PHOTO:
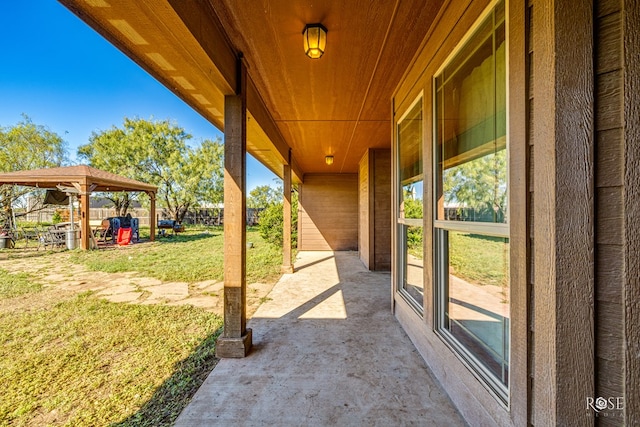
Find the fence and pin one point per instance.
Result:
(194, 217)
(46, 215)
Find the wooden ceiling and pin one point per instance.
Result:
(337, 105)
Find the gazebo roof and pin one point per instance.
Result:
(70, 175)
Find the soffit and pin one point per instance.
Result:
(156, 37)
(338, 105)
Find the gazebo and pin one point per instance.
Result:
(85, 180)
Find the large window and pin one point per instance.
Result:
(410, 206)
(471, 232)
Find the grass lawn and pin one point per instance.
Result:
(479, 259)
(192, 256)
(12, 285)
(78, 360)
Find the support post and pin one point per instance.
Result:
(235, 340)
(85, 228)
(563, 188)
(287, 267)
(152, 216)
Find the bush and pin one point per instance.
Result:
(57, 217)
(271, 221)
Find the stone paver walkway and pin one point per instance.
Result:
(56, 271)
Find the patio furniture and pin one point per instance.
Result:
(54, 238)
(169, 224)
(7, 240)
(124, 236)
(103, 231)
(32, 235)
(8, 237)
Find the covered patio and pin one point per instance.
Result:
(373, 134)
(83, 180)
(327, 351)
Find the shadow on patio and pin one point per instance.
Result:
(327, 351)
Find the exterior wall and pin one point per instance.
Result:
(530, 226)
(382, 210)
(563, 135)
(374, 236)
(631, 197)
(609, 309)
(476, 403)
(617, 124)
(575, 187)
(328, 212)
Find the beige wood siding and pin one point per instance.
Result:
(374, 237)
(328, 212)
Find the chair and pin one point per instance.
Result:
(124, 236)
(32, 234)
(54, 238)
(103, 230)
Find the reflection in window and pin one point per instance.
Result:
(413, 266)
(476, 312)
(471, 150)
(471, 235)
(410, 203)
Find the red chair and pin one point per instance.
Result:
(124, 236)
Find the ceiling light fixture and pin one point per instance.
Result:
(315, 40)
(328, 160)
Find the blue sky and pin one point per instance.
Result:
(65, 76)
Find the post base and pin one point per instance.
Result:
(234, 347)
(286, 269)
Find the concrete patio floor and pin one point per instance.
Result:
(327, 351)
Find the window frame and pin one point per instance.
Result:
(499, 390)
(400, 222)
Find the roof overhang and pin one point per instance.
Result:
(73, 176)
(338, 105)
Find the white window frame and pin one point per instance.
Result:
(485, 376)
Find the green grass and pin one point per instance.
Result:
(80, 360)
(12, 285)
(479, 259)
(192, 256)
(86, 361)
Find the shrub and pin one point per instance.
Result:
(271, 221)
(56, 218)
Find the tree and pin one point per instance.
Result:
(157, 152)
(263, 196)
(480, 184)
(106, 151)
(26, 146)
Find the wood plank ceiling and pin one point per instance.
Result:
(337, 105)
(340, 104)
